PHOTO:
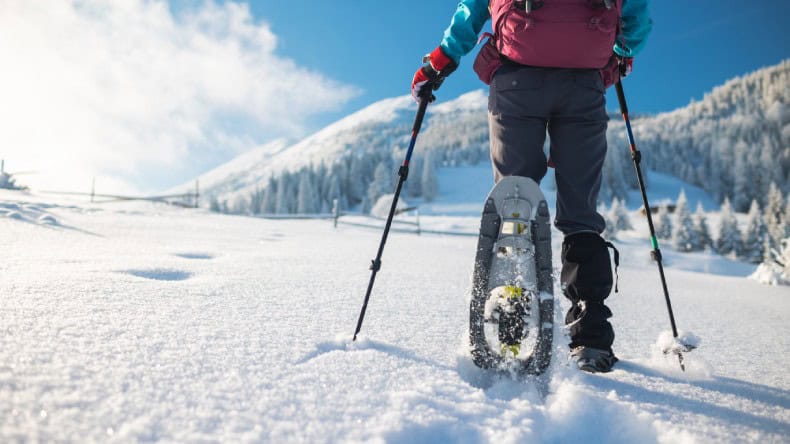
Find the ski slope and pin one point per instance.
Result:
(136, 322)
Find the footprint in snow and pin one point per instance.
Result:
(160, 274)
(195, 255)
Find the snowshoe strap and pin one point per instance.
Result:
(616, 263)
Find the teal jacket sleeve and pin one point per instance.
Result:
(467, 22)
(636, 27)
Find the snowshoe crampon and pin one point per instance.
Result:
(512, 307)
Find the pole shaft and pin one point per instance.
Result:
(656, 253)
(403, 174)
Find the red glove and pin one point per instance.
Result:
(626, 65)
(431, 75)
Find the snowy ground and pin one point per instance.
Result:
(132, 322)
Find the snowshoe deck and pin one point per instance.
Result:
(512, 307)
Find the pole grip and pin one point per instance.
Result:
(621, 97)
(420, 114)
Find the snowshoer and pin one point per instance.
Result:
(548, 64)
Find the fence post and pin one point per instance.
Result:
(93, 188)
(417, 212)
(335, 211)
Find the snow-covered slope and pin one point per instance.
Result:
(146, 323)
(382, 127)
(244, 171)
(733, 142)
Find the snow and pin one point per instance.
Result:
(140, 322)
(383, 206)
(770, 274)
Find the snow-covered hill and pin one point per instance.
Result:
(134, 322)
(733, 143)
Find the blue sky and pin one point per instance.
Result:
(695, 45)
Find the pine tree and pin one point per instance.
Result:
(357, 180)
(663, 223)
(365, 205)
(282, 201)
(774, 217)
(413, 186)
(743, 182)
(729, 239)
(269, 205)
(334, 194)
(256, 201)
(610, 231)
(619, 215)
(306, 195)
(787, 217)
(783, 257)
(701, 227)
(382, 183)
(684, 235)
(214, 205)
(755, 235)
(430, 184)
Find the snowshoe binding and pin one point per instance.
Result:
(512, 307)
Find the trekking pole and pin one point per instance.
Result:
(636, 155)
(403, 172)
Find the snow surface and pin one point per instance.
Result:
(138, 322)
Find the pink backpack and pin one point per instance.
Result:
(554, 33)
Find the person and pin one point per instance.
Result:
(552, 61)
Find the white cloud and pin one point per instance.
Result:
(130, 91)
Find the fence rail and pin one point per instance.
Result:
(362, 220)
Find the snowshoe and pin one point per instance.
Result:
(512, 307)
(593, 360)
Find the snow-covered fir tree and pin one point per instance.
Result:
(382, 182)
(430, 183)
(619, 214)
(754, 237)
(357, 183)
(256, 201)
(787, 217)
(774, 215)
(663, 223)
(684, 236)
(610, 232)
(742, 195)
(285, 194)
(269, 205)
(729, 238)
(365, 206)
(783, 257)
(333, 194)
(414, 184)
(704, 239)
(307, 200)
(214, 205)
(239, 205)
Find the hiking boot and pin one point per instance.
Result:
(593, 360)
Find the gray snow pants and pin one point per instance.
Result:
(523, 103)
(526, 101)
